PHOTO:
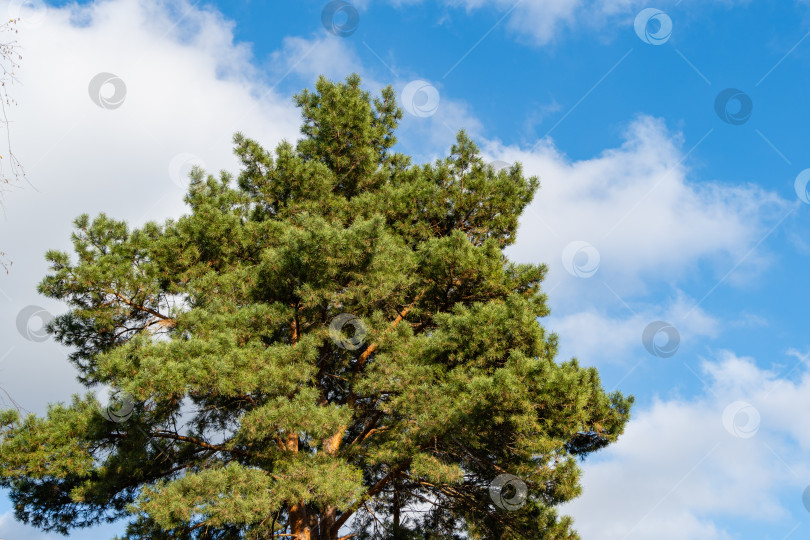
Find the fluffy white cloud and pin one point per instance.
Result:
(188, 88)
(648, 223)
(682, 470)
(597, 338)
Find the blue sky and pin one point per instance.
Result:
(696, 221)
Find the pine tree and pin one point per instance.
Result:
(332, 345)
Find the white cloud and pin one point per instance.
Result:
(684, 476)
(596, 338)
(188, 89)
(636, 205)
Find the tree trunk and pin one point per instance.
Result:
(299, 524)
(326, 523)
(328, 516)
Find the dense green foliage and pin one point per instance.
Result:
(237, 414)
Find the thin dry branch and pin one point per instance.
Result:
(11, 169)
